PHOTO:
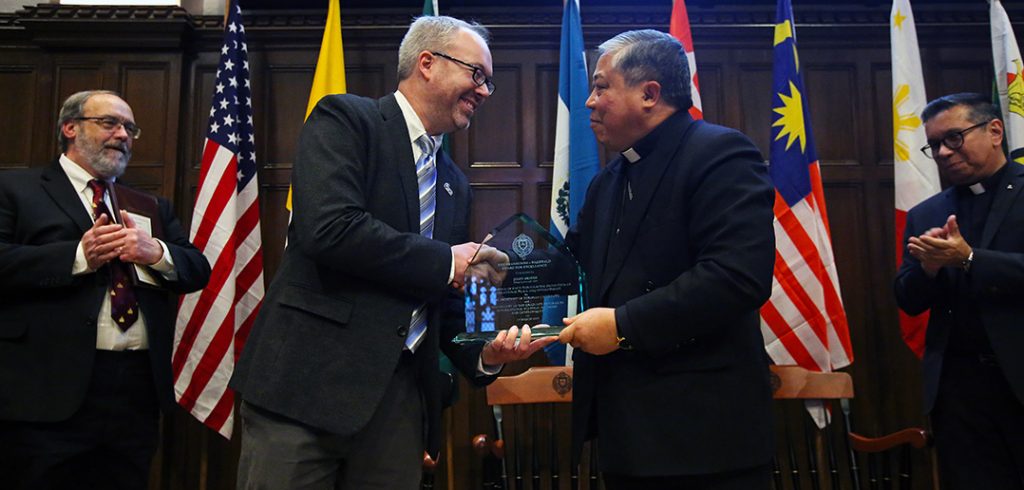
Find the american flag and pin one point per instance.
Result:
(213, 324)
(804, 322)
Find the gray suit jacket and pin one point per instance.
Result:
(334, 321)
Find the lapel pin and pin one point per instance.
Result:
(448, 187)
(1009, 186)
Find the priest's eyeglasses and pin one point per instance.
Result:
(112, 123)
(953, 141)
(479, 78)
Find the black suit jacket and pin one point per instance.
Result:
(334, 322)
(48, 317)
(994, 283)
(687, 273)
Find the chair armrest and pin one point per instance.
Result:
(916, 437)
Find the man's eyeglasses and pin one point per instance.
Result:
(112, 123)
(478, 74)
(953, 141)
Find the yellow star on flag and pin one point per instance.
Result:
(898, 19)
(792, 118)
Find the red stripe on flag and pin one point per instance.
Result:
(221, 411)
(222, 194)
(222, 271)
(212, 357)
(794, 346)
(800, 299)
(808, 249)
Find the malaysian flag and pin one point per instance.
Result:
(679, 28)
(213, 324)
(804, 322)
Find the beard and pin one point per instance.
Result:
(99, 157)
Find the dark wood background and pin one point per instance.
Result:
(163, 61)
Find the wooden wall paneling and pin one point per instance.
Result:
(546, 113)
(370, 79)
(495, 136)
(755, 112)
(151, 84)
(281, 86)
(712, 93)
(19, 84)
(493, 201)
(830, 91)
(195, 116)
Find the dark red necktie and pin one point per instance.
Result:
(124, 309)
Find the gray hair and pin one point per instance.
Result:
(434, 33)
(73, 108)
(647, 55)
(979, 107)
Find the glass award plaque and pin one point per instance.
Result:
(521, 275)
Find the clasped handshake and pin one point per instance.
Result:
(107, 241)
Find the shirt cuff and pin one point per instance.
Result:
(451, 271)
(80, 266)
(485, 370)
(165, 266)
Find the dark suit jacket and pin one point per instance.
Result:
(692, 265)
(995, 282)
(334, 322)
(48, 317)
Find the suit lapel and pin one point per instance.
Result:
(398, 132)
(1005, 196)
(604, 229)
(56, 184)
(444, 213)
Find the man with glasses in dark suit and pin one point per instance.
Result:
(964, 261)
(85, 351)
(339, 378)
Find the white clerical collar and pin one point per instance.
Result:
(631, 155)
(977, 189)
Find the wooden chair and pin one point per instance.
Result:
(819, 466)
(531, 447)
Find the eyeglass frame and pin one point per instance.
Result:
(929, 150)
(129, 127)
(485, 80)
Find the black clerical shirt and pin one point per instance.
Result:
(968, 334)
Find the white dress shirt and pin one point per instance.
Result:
(108, 335)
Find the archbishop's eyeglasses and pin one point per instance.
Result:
(479, 78)
(953, 141)
(110, 123)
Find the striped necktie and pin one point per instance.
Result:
(426, 177)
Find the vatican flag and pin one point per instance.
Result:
(1008, 79)
(917, 177)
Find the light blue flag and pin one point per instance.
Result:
(576, 160)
